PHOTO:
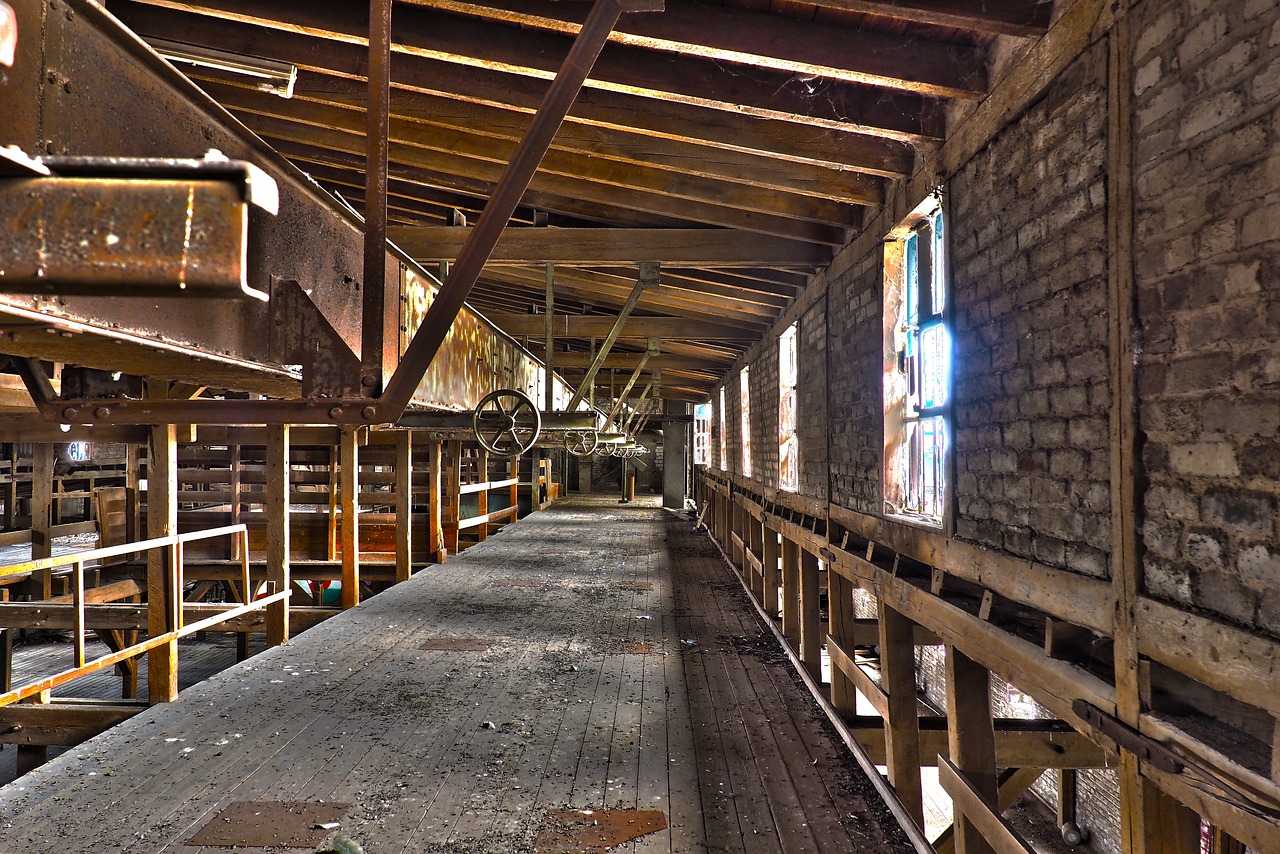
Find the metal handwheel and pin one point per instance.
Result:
(581, 443)
(506, 422)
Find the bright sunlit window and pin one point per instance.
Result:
(744, 384)
(724, 440)
(917, 374)
(788, 443)
(702, 434)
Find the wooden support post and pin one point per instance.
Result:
(971, 741)
(769, 599)
(435, 510)
(1066, 796)
(32, 756)
(453, 495)
(791, 592)
(335, 487)
(811, 631)
(162, 597)
(840, 601)
(482, 497)
(514, 476)
(902, 723)
(235, 498)
(404, 505)
(6, 659)
(41, 520)
(1160, 824)
(133, 490)
(10, 486)
(349, 461)
(277, 512)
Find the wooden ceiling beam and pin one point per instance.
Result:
(783, 44)
(1006, 17)
(602, 246)
(467, 143)
(628, 361)
(710, 298)
(610, 293)
(902, 115)
(610, 111)
(598, 326)
(687, 156)
(338, 147)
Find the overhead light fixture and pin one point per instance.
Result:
(272, 75)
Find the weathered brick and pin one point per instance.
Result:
(1259, 567)
(1239, 510)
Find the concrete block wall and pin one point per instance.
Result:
(1207, 196)
(1029, 273)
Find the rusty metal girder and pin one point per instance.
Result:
(131, 227)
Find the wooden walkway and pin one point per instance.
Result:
(592, 657)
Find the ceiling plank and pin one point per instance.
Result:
(765, 41)
(598, 326)
(1006, 17)
(584, 167)
(441, 169)
(906, 116)
(691, 157)
(733, 132)
(696, 247)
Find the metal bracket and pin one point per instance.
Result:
(301, 335)
(1127, 738)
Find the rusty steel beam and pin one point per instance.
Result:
(444, 309)
(377, 152)
(132, 227)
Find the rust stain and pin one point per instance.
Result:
(457, 644)
(625, 648)
(270, 824)
(595, 831)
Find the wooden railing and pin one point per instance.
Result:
(173, 546)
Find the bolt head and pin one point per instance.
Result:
(335, 413)
(71, 412)
(369, 413)
(102, 412)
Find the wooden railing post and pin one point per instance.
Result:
(902, 722)
(840, 602)
(791, 591)
(811, 631)
(482, 497)
(452, 496)
(971, 741)
(41, 520)
(162, 521)
(349, 475)
(769, 599)
(404, 505)
(277, 513)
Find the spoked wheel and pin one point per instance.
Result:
(506, 422)
(581, 443)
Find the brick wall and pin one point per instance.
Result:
(1207, 196)
(764, 415)
(1028, 236)
(812, 404)
(856, 418)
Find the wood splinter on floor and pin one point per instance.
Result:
(595, 831)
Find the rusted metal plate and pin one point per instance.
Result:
(595, 831)
(457, 644)
(123, 237)
(264, 824)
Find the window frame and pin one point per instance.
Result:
(902, 398)
(788, 395)
(744, 409)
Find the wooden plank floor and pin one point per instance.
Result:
(626, 670)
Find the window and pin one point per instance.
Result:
(702, 434)
(744, 386)
(788, 443)
(724, 440)
(917, 371)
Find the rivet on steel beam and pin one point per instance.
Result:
(369, 413)
(71, 14)
(368, 381)
(66, 87)
(71, 412)
(336, 412)
(102, 412)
